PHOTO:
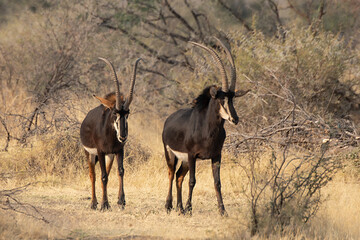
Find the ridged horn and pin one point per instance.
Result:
(219, 63)
(233, 69)
(132, 84)
(117, 85)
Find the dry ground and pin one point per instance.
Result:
(66, 208)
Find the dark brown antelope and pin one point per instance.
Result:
(103, 133)
(198, 133)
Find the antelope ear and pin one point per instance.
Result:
(240, 93)
(213, 91)
(105, 102)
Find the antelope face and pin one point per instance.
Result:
(120, 124)
(227, 110)
(118, 106)
(225, 104)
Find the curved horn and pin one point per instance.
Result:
(233, 69)
(117, 85)
(219, 63)
(132, 84)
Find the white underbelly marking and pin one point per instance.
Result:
(92, 151)
(109, 158)
(180, 155)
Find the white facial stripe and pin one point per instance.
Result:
(223, 113)
(180, 155)
(92, 151)
(116, 126)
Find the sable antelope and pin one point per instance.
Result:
(103, 133)
(198, 133)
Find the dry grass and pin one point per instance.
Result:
(64, 199)
(66, 207)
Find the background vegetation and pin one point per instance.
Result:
(289, 166)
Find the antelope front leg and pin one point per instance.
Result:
(180, 174)
(104, 179)
(121, 197)
(215, 163)
(192, 182)
(91, 162)
(171, 161)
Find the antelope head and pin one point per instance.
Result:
(226, 93)
(119, 107)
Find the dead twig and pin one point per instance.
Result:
(10, 202)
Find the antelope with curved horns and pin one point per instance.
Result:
(198, 133)
(103, 134)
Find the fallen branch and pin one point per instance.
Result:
(9, 202)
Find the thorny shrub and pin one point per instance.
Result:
(303, 91)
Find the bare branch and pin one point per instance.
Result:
(178, 16)
(321, 10)
(196, 18)
(241, 20)
(299, 12)
(9, 202)
(7, 134)
(275, 10)
(152, 51)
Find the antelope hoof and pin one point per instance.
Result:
(93, 205)
(105, 206)
(168, 210)
(188, 209)
(223, 213)
(121, 203)
(180, 210)
(168, 206)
